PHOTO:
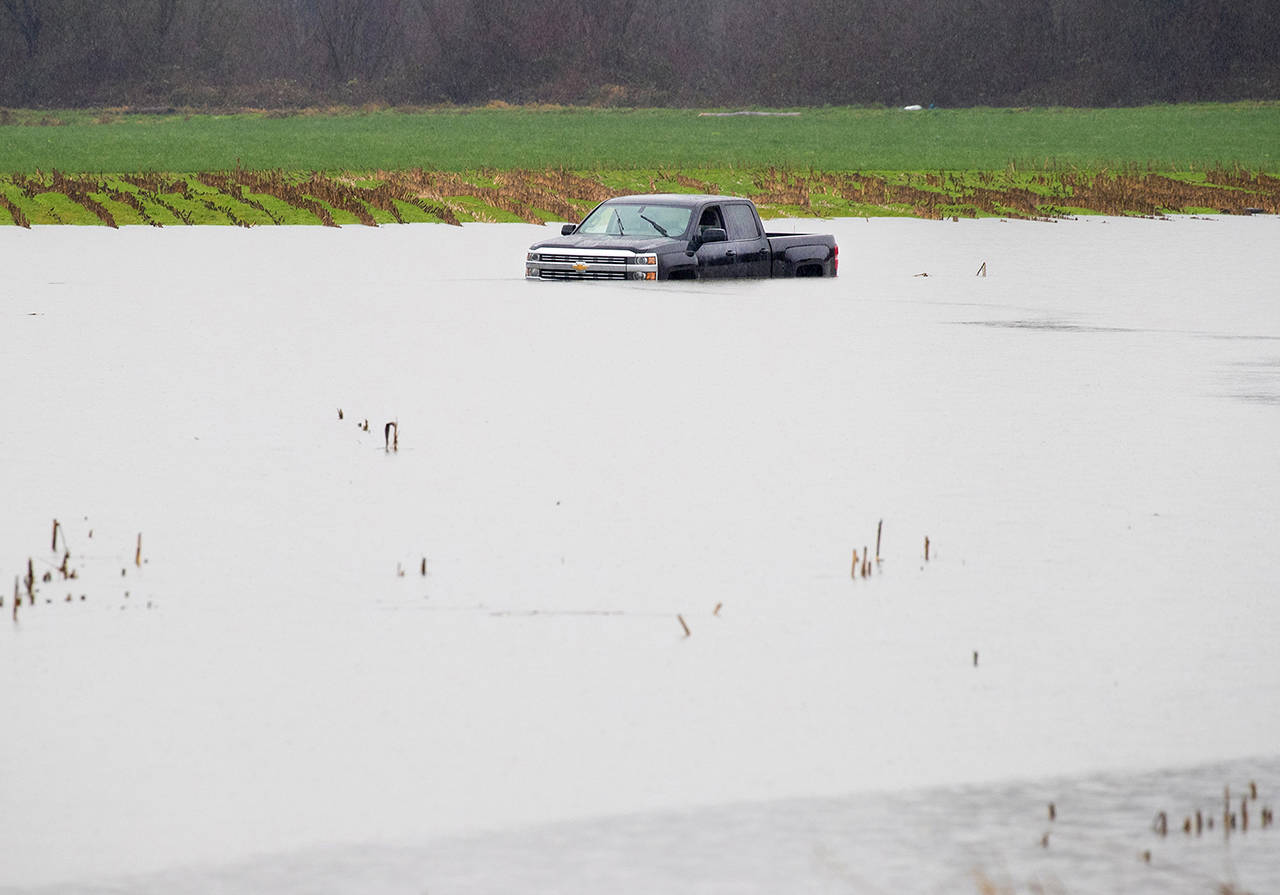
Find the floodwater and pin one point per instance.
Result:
(1103, 838)
(293, 659)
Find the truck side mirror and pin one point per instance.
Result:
(568, 229)
(714, 234)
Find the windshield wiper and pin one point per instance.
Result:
(617, 217)
(655, 225)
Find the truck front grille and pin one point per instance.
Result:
(589, 264)
(545, 274)
(584, 259)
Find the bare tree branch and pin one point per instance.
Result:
(28, 19)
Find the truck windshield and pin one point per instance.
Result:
(637, 220)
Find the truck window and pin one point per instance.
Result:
(741, 222)
(629, 219)
(710, 218)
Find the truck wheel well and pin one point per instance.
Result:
(809, 270)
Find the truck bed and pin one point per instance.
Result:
(803, 254)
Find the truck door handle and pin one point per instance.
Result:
(731, 254)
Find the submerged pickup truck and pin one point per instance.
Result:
(678, 237)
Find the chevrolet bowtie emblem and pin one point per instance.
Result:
(580, 266)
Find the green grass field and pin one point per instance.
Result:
(546, 163)
(1168, 138)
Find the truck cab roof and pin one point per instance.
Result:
(686, 200)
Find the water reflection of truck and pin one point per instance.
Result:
(678, 237)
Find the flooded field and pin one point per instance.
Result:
(989, 838)
(262, 646)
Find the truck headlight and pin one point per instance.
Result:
(532, 256)
(647, 259)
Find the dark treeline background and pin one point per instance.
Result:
(282, 53)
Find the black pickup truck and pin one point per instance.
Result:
(678, 237)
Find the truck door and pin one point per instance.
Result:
(747, 245)
(715, 259)
(745, 253)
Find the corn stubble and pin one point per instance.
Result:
(58, 566)
(237, 197)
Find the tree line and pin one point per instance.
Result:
(287, 53)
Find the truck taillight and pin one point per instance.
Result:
(835, 260)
